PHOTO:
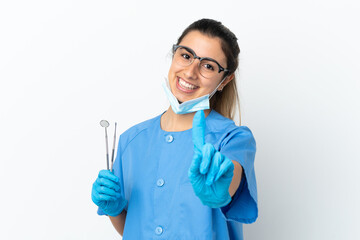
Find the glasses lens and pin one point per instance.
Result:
(183, 57)
(208, 68)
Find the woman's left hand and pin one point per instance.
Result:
(210, 172)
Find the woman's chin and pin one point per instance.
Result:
(180, 100)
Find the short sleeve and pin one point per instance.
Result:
(117, 168)
(239, 145)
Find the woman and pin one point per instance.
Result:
(189, 172)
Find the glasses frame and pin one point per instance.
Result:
(175, 47)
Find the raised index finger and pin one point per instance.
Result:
(198, 131)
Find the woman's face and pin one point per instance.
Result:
(187, 83)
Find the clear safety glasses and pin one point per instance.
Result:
(208, 67)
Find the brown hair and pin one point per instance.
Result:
(225, 102)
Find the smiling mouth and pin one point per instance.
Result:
(188, 87)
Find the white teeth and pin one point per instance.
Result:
(186, 85)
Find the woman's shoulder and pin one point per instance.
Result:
(218, 123)
(225, 134)
(224, 130)
(133, 131)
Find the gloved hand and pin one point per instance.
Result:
(210, 172)
(106, 194)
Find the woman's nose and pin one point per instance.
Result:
(192, 70)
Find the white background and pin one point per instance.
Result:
(65, 65)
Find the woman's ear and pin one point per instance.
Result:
(226, 81)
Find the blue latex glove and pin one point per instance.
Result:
(210, 172)
(106, 194)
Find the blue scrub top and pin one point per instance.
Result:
(153, 165)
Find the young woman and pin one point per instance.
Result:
(189, 172)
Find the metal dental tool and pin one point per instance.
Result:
(106, 124)
(112, 154)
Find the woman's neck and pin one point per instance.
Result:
(172, 122)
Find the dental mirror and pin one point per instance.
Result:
(104, 123)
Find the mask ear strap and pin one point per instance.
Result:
(216, 89)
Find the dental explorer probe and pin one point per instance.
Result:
(112, 154)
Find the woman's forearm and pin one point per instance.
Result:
(119, 222)
(235, 183)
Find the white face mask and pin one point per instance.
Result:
(193, 105)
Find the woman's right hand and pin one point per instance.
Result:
(106, 194)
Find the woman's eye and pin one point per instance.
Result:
(186, 56)
(208, 67)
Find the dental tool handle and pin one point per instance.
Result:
(107, 149)
(113, 150)
(111, 169)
